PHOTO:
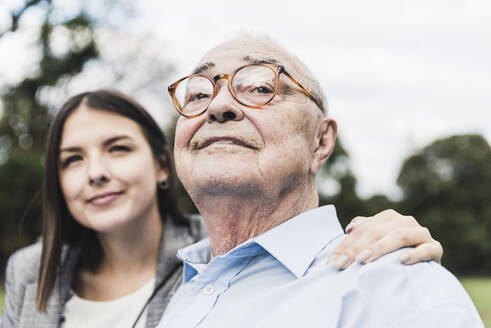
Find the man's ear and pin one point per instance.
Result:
(325, 141)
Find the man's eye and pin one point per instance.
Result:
(197, 97)
(201, 96)
(264, 90)
(119, 148)
(70, 160)
(257, 88)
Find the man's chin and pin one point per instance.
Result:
(225, 159)
(227, 182)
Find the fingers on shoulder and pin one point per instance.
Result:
(431, 251)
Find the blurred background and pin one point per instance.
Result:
(409, 83)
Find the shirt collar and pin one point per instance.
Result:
(295, 243)
(195, 257)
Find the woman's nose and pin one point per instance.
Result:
(97, 173)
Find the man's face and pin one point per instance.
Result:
(233, 149)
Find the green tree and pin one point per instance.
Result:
(25, 117)
(341, 189)
(447, 186)
(19, 205)
(338, 186)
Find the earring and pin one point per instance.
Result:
(163, 185)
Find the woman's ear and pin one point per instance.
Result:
(163, 175)
(163, 170)
(325, 142)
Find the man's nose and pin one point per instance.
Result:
(223, 107)
(97, 172)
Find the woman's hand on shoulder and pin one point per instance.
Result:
(371, 237)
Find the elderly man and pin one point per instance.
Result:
(253, 136)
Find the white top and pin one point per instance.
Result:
(121, 312)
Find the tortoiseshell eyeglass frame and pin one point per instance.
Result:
(276, 69)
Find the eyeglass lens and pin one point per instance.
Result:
(253, 85)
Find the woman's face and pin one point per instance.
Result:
(107, 171)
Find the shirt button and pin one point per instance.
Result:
(208, 289)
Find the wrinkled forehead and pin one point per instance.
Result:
(230, 55)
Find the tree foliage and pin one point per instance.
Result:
(447, 186)
(342, 182)
(25, 120)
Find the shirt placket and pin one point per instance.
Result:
(205, 289)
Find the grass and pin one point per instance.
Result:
(478, 288)
(480, 291)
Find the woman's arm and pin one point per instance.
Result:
(371, 237)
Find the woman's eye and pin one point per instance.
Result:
(119, 148)
(70, 159)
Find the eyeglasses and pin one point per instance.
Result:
(253, 86)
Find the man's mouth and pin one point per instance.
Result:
(104, 198)
(200, 144)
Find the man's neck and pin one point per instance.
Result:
(233, 220)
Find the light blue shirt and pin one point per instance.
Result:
(281, 279)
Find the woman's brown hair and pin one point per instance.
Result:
(59, 227)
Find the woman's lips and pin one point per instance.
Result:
(105, 198)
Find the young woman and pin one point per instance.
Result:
(111, 227)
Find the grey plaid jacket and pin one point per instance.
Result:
(22, 273)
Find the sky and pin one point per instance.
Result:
(397, 74)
